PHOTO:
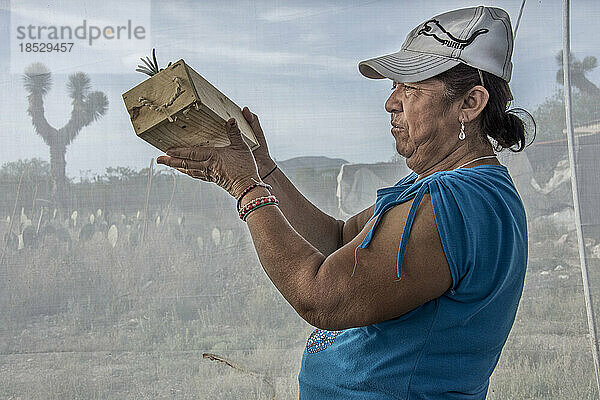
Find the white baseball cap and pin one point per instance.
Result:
(480, 37)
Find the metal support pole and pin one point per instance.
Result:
(570, 141)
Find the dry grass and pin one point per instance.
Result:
(96, 322)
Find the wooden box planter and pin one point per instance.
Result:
(179, 108)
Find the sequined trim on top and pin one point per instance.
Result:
(320, 339)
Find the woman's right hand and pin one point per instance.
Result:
(261, 155)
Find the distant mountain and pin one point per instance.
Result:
(317, 162)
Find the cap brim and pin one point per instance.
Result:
(405, 66)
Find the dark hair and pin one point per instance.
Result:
(503, 125)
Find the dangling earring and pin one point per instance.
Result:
(461, 135)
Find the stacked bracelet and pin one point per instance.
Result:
(256, 204)
(249, 188)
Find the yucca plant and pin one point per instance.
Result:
(150, 66)
(579, 69)
(87, 108)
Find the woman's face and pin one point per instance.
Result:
(425, 128)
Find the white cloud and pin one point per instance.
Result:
(284, 14)
(269, 58)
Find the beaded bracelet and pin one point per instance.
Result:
(257, 207)
(243, 217)
(249, 188)
(256, 204)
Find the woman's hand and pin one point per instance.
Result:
(233, 167)
(263, 159)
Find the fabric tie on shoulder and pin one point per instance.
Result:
(408, 225)
(416, 192)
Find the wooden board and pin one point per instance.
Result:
(193, 111)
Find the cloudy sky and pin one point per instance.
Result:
(294, 63)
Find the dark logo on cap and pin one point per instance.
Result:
(435, 30)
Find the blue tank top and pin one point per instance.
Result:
(448, 347)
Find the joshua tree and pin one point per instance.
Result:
(578, 71)
(87, 108)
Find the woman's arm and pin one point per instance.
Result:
(321, 230)
(343, 289)
(348, 289)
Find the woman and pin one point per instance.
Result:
(414, 297)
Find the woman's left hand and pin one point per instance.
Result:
(233, 167)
